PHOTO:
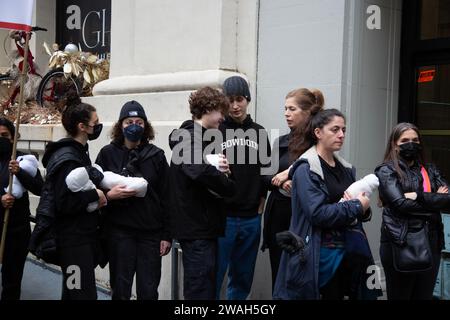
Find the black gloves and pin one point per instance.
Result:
(291, 243)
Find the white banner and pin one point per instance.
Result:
(16, 14)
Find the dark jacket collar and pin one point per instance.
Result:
(53, 147)
(231, 123)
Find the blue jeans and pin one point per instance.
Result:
(238, 251)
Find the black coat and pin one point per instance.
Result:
(196, 188)
(150, 213)
(19, 214)
(400, 212)
(276, 199)
(74, 225)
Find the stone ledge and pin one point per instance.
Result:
(41, 132)
(163, 82)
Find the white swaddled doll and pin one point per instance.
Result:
(28, 163)
(78, 180)
(367, 185)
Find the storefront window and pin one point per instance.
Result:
(435, 19)
(433, 113)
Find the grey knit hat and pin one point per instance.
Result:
(236, 86)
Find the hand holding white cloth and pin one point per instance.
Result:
(78, 180)
(112, 179)
(29, 164)
(367, 185)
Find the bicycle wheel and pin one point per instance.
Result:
(53, 89)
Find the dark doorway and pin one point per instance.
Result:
(425, 76)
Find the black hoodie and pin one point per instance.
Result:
(197, 189)
(73, 223)
(245, 139)
(150, 213)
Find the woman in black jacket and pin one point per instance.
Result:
(75, 227)
(287, 148)
(137, 228)
(18, 232)
(412, 195)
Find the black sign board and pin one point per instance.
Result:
(86, 23)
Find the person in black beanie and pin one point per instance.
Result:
(245, 144)
(136, 227)
(18, 233)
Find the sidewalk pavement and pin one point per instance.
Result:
(44, 283)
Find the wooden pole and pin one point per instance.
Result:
(14, 150)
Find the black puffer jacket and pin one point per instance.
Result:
(74, 224)
(400, 213)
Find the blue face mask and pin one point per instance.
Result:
(133, 132)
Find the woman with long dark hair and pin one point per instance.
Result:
(412, 194)
(75, 227)
(332, 253)
(300, 105)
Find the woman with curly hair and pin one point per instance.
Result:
(136, 228)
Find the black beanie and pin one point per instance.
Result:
(132, 109)
(236, 86)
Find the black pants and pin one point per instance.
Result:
(78, 269)
(130, 253)
(411, 286)
(199, 264)
(339, 285)
(16, 250)
(280, 220)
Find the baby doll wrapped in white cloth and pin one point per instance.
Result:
(367, 185)
(29, 164)
(78, 180)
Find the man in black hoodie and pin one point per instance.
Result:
(247, 147)
(198, 216)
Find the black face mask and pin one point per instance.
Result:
(96, 133)
(410, 150)
(5, 147)
(133, 132)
